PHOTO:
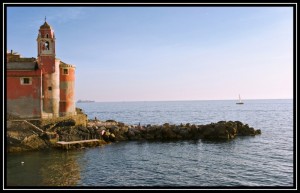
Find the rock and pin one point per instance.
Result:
(111, 121)
(130, 134)
(258, 132)
(167, 133)
(20, 137)
(112, 137)
(120, 124)
(183, 133)
(114, 129)
(69, 122)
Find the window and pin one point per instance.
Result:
(66, 71)
(25, 81)
(47, 36)
(49, 88)
(47, 45)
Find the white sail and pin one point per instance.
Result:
(240, 100)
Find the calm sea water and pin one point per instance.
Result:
(261, 161)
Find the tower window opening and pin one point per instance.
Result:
(47, 45)
(47, 36)
(49, 88)
(66, 71)
(25, 81)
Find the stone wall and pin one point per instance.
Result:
(22, 136)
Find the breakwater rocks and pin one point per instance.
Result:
(114, 131)
(22, 136)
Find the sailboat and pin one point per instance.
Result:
(240, 101)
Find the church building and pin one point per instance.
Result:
(41, 87)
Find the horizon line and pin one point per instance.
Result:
(185, 100)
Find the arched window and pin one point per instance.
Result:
(47, 45)
(47, 36)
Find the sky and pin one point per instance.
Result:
(152, 53)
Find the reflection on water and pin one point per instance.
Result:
(55, 168)
(63, 171)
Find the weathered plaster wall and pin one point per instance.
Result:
(24, 100)
(51, 91)
(47, 64)
(67, 91)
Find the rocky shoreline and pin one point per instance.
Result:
(22, 136)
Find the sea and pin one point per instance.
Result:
(261, 161)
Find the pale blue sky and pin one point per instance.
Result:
(166, 53)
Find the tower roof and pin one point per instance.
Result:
(45, 26)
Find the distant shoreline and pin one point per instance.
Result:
(85, 101)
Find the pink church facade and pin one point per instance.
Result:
(42, 87)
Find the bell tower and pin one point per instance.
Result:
(46, 47)
(50, 70)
